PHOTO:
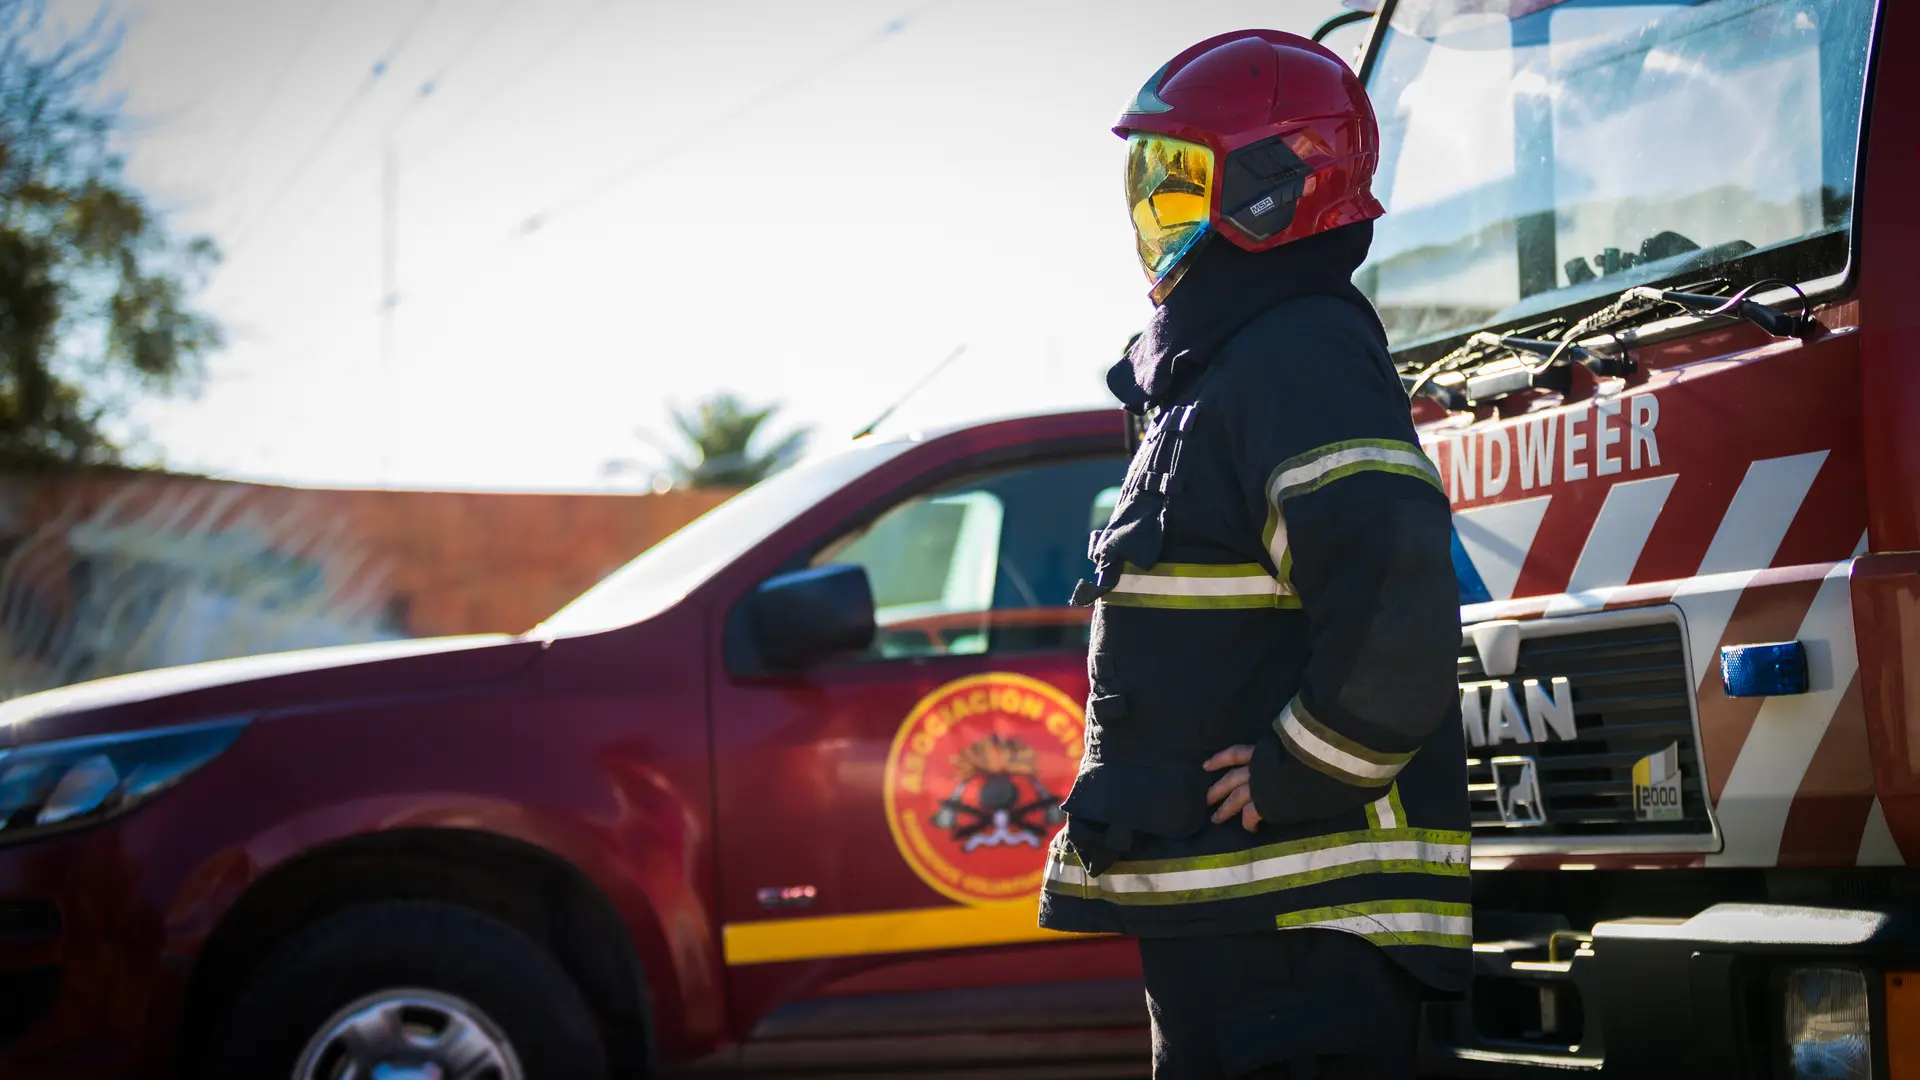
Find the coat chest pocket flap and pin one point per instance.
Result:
(1134, 535)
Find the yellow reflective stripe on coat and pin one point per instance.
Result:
(1325, 750)
(1386, 812)
(1274, 540)
(1266, 869)
(1315, 469)
(1392, 922)
(1198, 586)
(820, 937)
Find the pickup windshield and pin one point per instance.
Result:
(1538, 154)
(666, 571)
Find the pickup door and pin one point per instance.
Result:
(883, 820)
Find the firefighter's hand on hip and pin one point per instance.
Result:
(1234, 787)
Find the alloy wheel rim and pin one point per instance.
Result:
(409, 1034)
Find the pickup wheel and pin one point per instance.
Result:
(408, 990)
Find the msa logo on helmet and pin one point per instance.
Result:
(1491, 712)
(1261, 185)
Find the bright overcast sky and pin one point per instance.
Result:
(808, 204)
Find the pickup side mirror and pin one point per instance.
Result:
(801, 618)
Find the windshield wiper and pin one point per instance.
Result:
(1528, 363)
(1491, 365)
(1555, 351)
(1775, 322)
(1480, 357)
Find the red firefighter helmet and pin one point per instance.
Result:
(1262, 136)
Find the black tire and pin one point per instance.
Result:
(412, 944)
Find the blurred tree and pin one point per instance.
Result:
(721, 435)
(93, 289)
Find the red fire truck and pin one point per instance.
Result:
(773, 799)
(1644, 268)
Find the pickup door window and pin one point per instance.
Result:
(983, 565)
(884, 818)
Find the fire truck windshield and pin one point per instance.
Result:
(1535, 160)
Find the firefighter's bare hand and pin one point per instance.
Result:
(1234, 787)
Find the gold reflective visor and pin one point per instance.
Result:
(1169, 196)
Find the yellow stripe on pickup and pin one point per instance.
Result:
(773, 941)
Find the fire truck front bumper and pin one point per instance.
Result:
(1740, 990)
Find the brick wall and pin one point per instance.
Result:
(112, 571)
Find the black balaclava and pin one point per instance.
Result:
(1226, 288)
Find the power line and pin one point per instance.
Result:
(454, 127)
(460, 52)
(475, 259)
(427, 88)
(390, 206)
(279, 84)
(639, 167)
(347, 108)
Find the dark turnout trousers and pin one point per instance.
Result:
(1301, 1004)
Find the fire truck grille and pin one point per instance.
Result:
(1631, 703)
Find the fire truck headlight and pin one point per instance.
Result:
(1825, 1024)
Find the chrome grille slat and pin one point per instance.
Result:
(1637, 728)
(1630, 703)
(1632, 696)
(1636, 677)
(1624, 758)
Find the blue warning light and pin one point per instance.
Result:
(1768, 670)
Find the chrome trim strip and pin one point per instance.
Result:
(1568, 1062)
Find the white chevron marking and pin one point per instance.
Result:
(1497, 539)
(1773, 761)
(1757, 520)
(1876, 843)
(1613, 546)
(1750, 533)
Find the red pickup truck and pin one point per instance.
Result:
(708, 813)
(774, 798)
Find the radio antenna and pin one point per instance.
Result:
(912, 390)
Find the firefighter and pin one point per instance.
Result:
(1273, 797)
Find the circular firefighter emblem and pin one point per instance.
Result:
(974, 783)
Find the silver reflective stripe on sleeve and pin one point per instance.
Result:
(1274, 540)
(1315, 469)
(1198, 586)
(1327, 751)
